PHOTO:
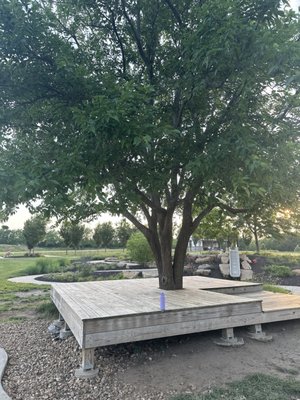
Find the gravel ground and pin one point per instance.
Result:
(42, 368)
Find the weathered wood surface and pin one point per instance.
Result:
(105, 299)
(110, 312)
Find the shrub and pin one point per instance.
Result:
(45, 266)
(139, 249)
(279, 271)
(86, 270)
(62, 262)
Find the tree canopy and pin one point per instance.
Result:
(149, 109)
(34, 232)
(104, 234)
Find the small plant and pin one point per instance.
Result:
(47, 309)
(86, 270)
(62, 262)
(275, 289)
(139, 249)
(279, 271)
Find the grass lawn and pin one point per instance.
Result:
(254, 387)
(18, 300)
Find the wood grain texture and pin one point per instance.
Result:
(110, 312)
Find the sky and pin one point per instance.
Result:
(295, 4)
(17, 220)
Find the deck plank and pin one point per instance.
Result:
(109, 312)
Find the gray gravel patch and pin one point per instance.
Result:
(42, 368)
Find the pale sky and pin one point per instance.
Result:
(17, 220)
(295, 4)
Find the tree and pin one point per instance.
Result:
(52, 239)
(266, 222)
(220, 226)
(149, 110)
(34, 232)
(72, 234)
(103, 234)
(123, 232)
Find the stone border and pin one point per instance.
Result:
(3, 362)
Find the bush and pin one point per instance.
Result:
(279, 271)
(139, 249)
(45, 266)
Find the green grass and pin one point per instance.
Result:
(275, 289)
(47, 310)
(13, 306)
(279, 271)
(98, 253)
(254, 387)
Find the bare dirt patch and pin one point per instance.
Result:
(193, 363)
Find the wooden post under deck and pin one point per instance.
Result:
(87, 369)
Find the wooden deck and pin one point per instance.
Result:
(110, 312)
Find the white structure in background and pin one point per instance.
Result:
(203, 244)
(234, 263)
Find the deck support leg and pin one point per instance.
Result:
(256, 333)
(55, 327)
(87, 369)
(65, 332)
(228, 339)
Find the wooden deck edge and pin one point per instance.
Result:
(69, 315)
(166, 330)
(237, 289)
(280, 315)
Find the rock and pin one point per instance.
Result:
(53, 329)
(204, 266)
(243, 257)
(190, 259)
(245, 265)
(132, 274)
(224, 269)
(121, 264)
(246, 275)
(133, 265)
(111, 259)
(203, 272)
(150, 274)
(296, 271)
(188, 269)
(204, 260)
(224, 259)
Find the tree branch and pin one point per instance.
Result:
(174, 12)
(136, 223)
(201, 215)
(136, 35)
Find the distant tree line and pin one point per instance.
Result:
(70, 235)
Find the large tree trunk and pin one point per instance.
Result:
(170, 269)
(159, 234)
